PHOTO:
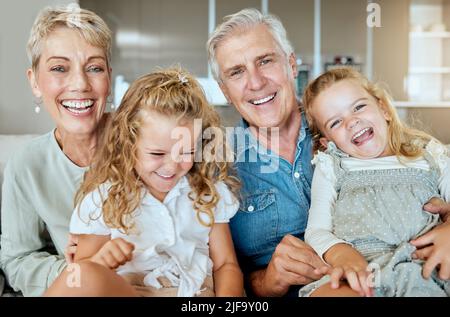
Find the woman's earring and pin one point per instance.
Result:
(108, 101)
(38, 103)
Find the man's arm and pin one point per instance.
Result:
(293, 263)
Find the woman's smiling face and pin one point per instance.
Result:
(73, 80)
(353, 119)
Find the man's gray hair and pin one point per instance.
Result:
(245, 19)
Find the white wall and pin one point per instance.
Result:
(16, 101)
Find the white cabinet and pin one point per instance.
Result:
(429, 47)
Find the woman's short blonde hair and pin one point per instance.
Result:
(90, 26)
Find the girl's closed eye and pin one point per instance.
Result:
(359, 107)
(187, 156)
(335, 123)
(157, 154)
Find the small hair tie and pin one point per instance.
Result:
(182, 78)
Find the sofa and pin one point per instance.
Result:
(9, 144)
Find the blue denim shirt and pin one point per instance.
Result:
(274, 198)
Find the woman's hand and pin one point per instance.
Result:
(434, 248)
(114, 253)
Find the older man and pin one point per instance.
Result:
(255, 66)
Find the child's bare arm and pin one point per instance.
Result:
(104, 251)
(346, 262)
(88, 245)
(228, 280)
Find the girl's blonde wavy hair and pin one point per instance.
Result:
(403, 140)
(172, 92)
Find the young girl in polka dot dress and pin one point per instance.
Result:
(372, 177)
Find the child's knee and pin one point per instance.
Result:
(84, 277)
(344, 290)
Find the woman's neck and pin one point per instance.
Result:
(79, 148)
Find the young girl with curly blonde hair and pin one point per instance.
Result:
(153, 210)
(372, 179)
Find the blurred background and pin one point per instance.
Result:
(409, 51)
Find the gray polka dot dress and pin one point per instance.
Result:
(379, 212)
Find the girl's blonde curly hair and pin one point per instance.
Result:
(172, 92)
(403, 140)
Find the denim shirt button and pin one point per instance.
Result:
(297, 175)
(250, 208)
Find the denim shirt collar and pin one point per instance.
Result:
(244, 133)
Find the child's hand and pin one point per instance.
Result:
(71, 248)
(357, 276)
(114, 253)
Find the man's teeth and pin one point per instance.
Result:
(357, 135)
(261, 101)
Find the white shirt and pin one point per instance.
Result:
(169, 240)
(319, 231)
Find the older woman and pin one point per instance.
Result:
(70, 72)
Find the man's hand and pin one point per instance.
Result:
(293, 263)
(438, 206)
(434, 248)
(71, 248)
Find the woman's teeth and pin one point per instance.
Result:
(78, 106)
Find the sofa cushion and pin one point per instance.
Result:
(2, 282)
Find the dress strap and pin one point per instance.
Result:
(437, 156)
(431, 161)
(337, 155)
